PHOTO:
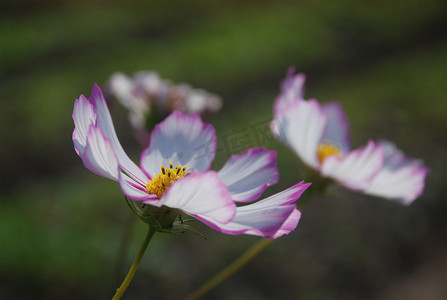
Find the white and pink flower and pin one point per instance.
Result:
(175, 174)
(319, 135)
(146, 91)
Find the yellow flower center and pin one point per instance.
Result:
(162, 181)
(327, 149)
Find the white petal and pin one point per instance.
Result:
(248, 174)
(148, 82)
(99, 156)
(285, 197)
(401, 178)
(104, 121)
(301, 127)
(404, 184)
(121, 87)
(337, 129)
(83, 117)
(357, 168)
(271, 217)
(200, 195)
(183, 140)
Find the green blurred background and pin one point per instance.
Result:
(61, 225)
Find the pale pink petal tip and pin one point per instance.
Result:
(292, 88)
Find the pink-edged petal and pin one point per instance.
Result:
(248, 174)
(271, 217)
(98, 155)
(265, 222)
(395, 158)
(135, 189)
(183, 140)
(337, 129)
(104, 121)
(201, 195)
(292, 88)
(83, 117)
(401, 178)
(357, 168)
(301, 127)
(289, 224)
(403, 185)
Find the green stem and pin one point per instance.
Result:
(241, 261)
(120, 291)
(246, 257)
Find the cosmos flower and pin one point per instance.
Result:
(145, 94)
(174, 177)
(319, 135)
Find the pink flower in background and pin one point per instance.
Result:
(174, 173)
(146, 93)
(319, 135)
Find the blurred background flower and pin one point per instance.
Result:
(150, 99)
(319, 135)
(61, 225)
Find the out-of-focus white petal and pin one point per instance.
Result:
(200, 101)
(83, 117)
(292, 88)
(301, 127)
(131, 94)
(337, 128)
(183, 140)
(149, 82)
(357, 168)
(404, 184)
(271, 217)
(201, 195)
(104, 121)
(401, 178)
(99, 156)
(248, 174)
(122, 88)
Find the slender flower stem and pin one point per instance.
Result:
(241, 261)
(246, 257)
(120, 291)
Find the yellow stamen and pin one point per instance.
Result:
(165, 178)
(327, 149)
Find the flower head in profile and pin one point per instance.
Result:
(147, 96)
(319, 135)
(174, 177)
